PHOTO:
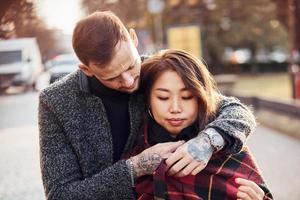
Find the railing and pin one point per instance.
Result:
(291, 109)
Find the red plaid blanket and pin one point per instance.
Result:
(215, 182)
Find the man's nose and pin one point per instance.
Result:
(127, 79)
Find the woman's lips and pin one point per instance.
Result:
(175, 121)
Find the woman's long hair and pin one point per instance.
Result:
(194, 75)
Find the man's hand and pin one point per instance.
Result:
(248, 190)
(148, 161)
(191, 157)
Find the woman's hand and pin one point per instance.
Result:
(147, 161)
(248, 190)
(190, 158)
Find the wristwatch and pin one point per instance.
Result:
(215, 138)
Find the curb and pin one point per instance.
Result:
(281, 123)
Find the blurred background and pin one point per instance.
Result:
(250, 46)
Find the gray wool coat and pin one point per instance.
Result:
(76, 150)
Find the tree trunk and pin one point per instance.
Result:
(4, 7)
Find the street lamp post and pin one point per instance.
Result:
(155, 7)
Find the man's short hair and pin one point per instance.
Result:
(95, 37)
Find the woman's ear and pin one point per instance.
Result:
(150, 113)
(86, 70)
(133, 37)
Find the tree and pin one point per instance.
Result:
(232, 23)
(4, 7)
(224, 23)
(132, 13)
(19, 19)
(288, 12)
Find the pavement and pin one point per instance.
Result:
(278, 155)
(19, 151)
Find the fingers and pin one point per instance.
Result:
(188, 169)
(249, 189)
(166, 155)
(182, 163)
(251, 184)
(168, 147)
(179, 165)
(243, 196)
(198, 169)
(174, 157)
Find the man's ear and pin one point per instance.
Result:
(85, 70)
(133, 37)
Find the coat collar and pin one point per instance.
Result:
(83, 82)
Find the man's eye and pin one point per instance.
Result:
(163, 98)
(110, 80)
(187, 97)
(131, 67)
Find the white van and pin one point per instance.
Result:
(20, 62)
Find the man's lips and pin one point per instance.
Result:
(175, 121)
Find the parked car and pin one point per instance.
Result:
(57, 68)
(61, 65)
(20, 62)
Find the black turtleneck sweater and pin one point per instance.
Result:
(117, 109)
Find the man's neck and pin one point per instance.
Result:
(98, 89)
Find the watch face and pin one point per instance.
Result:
(216, 140)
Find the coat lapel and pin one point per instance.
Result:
(136, 115)
(88, 130)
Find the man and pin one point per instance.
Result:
(92, 117)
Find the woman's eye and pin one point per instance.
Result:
(163, 98)
(187, 97)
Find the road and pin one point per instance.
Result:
(277, 155)
(19, 159)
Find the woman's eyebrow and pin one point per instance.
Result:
(166, 90)
(184, 89)
(162, 89)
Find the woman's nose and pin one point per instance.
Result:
(175, 106)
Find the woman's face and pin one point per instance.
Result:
(172, 105)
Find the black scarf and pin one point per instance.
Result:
(158, 134)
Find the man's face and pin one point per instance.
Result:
(123, 72)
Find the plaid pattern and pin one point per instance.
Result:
(215, 182)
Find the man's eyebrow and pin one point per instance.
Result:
(122, 67)
(131, 64)
(109, 79)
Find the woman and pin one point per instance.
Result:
(182, 99)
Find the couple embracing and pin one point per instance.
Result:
(130, 127)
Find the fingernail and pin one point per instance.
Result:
(237, 180)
